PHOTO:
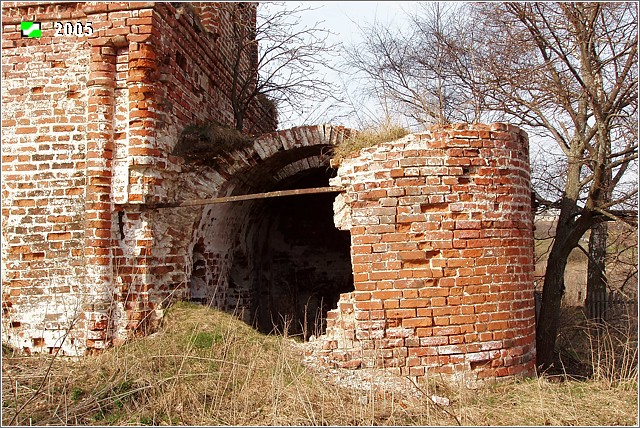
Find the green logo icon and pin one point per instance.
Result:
(31, 29)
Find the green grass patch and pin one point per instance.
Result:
(205, 339)
(76, 394)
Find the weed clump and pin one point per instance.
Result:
(204, 143)
(367, 138)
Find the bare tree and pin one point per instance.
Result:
(621, 254)
(272, 58)
(569, 69)
(415, 70)
(566, 72)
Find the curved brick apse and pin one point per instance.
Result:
(442, 255)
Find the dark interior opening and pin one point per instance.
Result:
(197, 282)
(302, 261)
(278, 263)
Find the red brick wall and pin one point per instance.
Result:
(89, 122)
(44, 178)
(442, 254)
(440, 222)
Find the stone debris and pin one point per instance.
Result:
(369, 380)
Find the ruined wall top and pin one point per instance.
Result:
(442, 255)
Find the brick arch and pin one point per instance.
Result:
(274, 161)
(440, 222)
(188, 252)
(84, 244)
(259, 165)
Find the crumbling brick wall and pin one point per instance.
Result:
(440, 222)
(442, 253)
(45, 121)
(89, 122)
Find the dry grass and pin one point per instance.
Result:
(604, 352)
(544, 402)
(205, 143)
(367, 138)
(207, 368)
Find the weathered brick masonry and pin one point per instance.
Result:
(89, 122)
(442, 254)
(439, 223)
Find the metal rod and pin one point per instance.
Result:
(277, 193)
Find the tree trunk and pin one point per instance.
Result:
(596, 275)
(568, 234)
(239, 116)
(552, 292)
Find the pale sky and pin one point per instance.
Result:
(342, 19)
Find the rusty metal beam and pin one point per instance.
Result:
(277, 193)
